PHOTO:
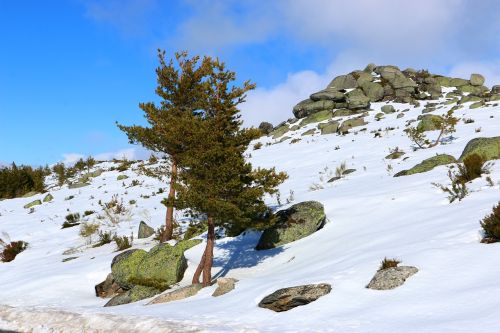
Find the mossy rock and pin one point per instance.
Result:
(350, 123)
(469, 98)
(428, 164)
(33, 204)
(474, 90)
(48, 198)
(379, 116)
(317, 117)
(343, 82)
(85, 178)
(135, 294)
(457, 82)
(488, 148)
(443, 81)
(476, 105)
(279, 131)
(329, 127)
(395, 155)
(308, 107)
(328, 94)
(283, 139)
(451, 101)
(345, 112)
(296, 222)
(356, 99)
(388, 109)
(476, 79)
(309, 132)
(77, 185)
(429, 122)
(121, 177)
(124, 266)
(373, 90)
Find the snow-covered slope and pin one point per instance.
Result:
(371, 215)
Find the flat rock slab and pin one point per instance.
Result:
(177, 294)
(391, 278)
(224, 285)
(289, 298)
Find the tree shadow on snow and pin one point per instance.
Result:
(240, 252)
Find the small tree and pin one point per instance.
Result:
(90, 162)
(80, 165)
(446, 126)
(217, 182)
(181, 88)
(60, 171)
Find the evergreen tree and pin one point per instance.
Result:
(217, 182)
(90, 162)
(181, 87)
(80, 165)
(60, 170)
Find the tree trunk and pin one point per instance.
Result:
(169, 218)
(209, 253)
(199, 269)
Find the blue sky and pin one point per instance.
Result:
(70, 68)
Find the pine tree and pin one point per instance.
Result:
(217, 182)
(181, 87)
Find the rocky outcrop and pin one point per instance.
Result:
(391, 278)
(330, 127)
(296, 222)
(428, 165)
(224, 285)
(487, 148)
(108, 288)
(135, 294)
(145, 230)
(265, 127)
(288, 298)
(350, 123)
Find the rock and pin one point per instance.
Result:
(122, 177)
(265, 127)
(388, 109)
(279, 131)
(316, 117)
(495, 89)
(391, 278)
(429, 122)
(224, 285)
(77, 185)
(373, 90)
(296, 222)
(145, 230)
(308, 106)
(395, 77)
(379, 116)
(356, 99)
(369, 68)
(455, 82)
(476, 105)
(85, 178)
(428, 165)
(284, 139)
(328, 94)
(488, 148)
(288, 298)
(350, 123)
(33, 204)
(470, 98)
(345, 112)
(161, 267)
(362, 77)
(309, 132)
(343, 82)
(178, 294)
(476, 79)
(400, 115)
(135, 294)
(329, 127)
(395, 155)
(443, 81)
(473, 90)
(108, 288)
(48, 198)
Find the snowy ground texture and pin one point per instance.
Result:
(371, 215)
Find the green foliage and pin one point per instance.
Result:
(16, 181)
(105, 237)
(90, 162)
(88, 212)
(73, 217)
(389, 263)
(80, 165)
(60, 171)
(446, 125)
(257, 146)
(456, 190)
(88, 229)
(11, 250)
(123, 242)
(194, 229)
(491, 225)
(153, 159)
(473, 167)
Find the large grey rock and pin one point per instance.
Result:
(428, 164)
(350, 123)
(177, 294)
(395, 77)
(488, 148)
(362, 77)
(344, 82)
(476, 79)
(265, 127)
(296, 222)
(279, 131)
(328, 94)
(495, 89)
(317, 117)
(108, 288)
(429, 122)
(391, 278)
(288, 298)
(224, 285)
(145, 230)
(388, 109)
(308, 107)
(135, 294)
(373, 90)
(330, 127)
(356, 99)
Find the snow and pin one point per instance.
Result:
(371, 215)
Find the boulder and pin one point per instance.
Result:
(178, 294)
(379, 116)
(373, 90)
(288, 298)
(108, 288)
(122, 177)
(345, 112)
(308, 106)
(456, 82)
(495, 89)
(328, 94)
(279, 131)
(350, 123)
(296, 222)
(473, 90)
(476, 79)
(309, 132)
(476, 105)
(265, 127)
(330, 127)
(369, 68)
(362, 77)
(161, 267)
(316, 117)
(356, 99)
(48, 198)
(388, 109)
(395, 77)
(488, 148)
(145, 230)
(224, 285)
(33, 204)
(470, 98)
(395, 155)
(85, 178)
(429, 122)
(344, 82)
(391, 278)
(77, 185)
(135, 294)
(442, 81)
(428, 165)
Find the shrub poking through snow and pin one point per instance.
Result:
(123, 242)
(389, 263)
(445, 125)
(72, 220)
(104, 238)
(87, 230)
(456, 190)
(257, 146)
(491, 226)
(472, 168)
(9, 250)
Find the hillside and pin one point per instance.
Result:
(370, 215)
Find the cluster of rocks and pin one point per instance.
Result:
(32, 204)
(353, 93)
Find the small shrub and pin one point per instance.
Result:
(159, 232)
(73, 217)
(132, 202)
(468, 120)
(123, 242)
(88, 212)
(69, 198)
(87, 229)
(491, 225)
(456, 190)
(389, 263)
(257, 146)
(11, 250)
(104, 238)
(135, 182)
(195, 228)
(153, 159)
(472, 168)
(340, 170)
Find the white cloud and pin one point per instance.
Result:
(133, 153)
(71, 158)
(490, 70)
